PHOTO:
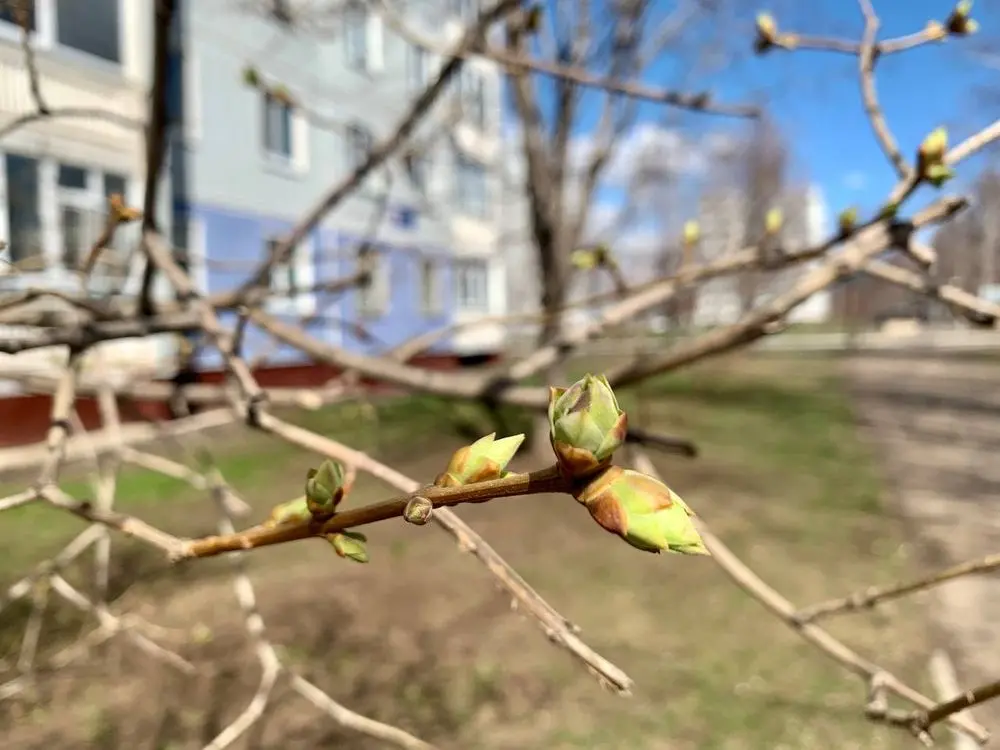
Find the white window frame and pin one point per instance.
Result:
(372, 301)
(420, 171)
(352, 157)
(270, 103)
(465, 10)
(46, 251)
(89, 200)
(465, 167)
(369, 26)
(46, 36)
(472, 97)
(418, 68)
(303, 303)
(431, 286)
(472, 285)
(297, 160)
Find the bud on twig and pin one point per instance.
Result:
(350, 545)
(959, 22)
(325, 488)
(123, 214)
(692, 232)
(847, 220)
(418, 510)
(251, 77)
(586, 425)
(930, 158)
(889, 210)
(294, 511)
(483, 460)
(767, 33)
(773, 221)
(643, 511)
(584, 259)
(589, 258)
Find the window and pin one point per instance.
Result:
(77, 198)
(90, 27)
(418, 68)
(23, 211)
(471, 286)
(470, 186)
(359, 145)
(418, 167)
(277, 126)
(464, 9)
(373, 298)
(472, 95)
(431, 293)
(82, 214)
(115, 184)
(284, 280)
(356, 36)
(74, 231)
(292, 283)
(72, 177)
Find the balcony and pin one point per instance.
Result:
(73, 79)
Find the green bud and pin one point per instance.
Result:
(349, 544)
(767, 33)
(643, 511)
(585, 259)
(485, 459)
(773, 221)
(325, 488)
(692, 232)
(766, 26)
(294, 511)
(418, 510)
(932, 150)
(889, 211)
(250, 76)
(938, 174)
(586, 425)
(847, 220)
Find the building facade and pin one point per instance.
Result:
(58, 171)
(273, 108)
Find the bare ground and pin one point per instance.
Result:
(422, 638)
(937, 425)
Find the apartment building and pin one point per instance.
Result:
(92, 58)
(274, 107)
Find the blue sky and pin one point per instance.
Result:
(814, 96)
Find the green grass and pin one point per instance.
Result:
(783, 479)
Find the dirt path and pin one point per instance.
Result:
(937, 426)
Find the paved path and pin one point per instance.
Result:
(937, 426)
